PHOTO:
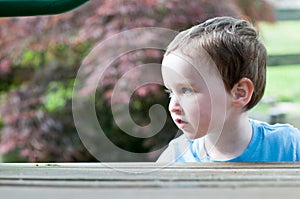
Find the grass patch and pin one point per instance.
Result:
(281, 37)
(283, 83)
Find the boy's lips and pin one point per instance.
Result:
(180, 123)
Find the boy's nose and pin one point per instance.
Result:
(174, 106)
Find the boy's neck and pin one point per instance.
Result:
(234, 139)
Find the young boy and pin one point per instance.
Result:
(215, 72)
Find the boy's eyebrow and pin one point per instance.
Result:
(185, 84)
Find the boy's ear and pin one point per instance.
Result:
(241, 93)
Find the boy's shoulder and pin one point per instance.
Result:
(275, 131)
(274, 142)
(272, 128)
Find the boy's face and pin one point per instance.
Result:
(197, 95)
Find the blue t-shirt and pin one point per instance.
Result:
(269, 143)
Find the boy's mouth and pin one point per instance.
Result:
(180, 123)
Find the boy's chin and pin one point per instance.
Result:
(191, 135)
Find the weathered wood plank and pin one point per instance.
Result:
(149, 193)
(150, 175)
(225, 180)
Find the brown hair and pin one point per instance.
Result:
(234, 47)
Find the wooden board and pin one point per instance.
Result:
(148, 180)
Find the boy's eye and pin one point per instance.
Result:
(187, 90)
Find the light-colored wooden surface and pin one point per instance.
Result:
(149, 180)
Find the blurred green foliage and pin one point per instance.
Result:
(57, 95)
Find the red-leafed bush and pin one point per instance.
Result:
(40, 56)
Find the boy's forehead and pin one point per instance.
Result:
(174, 57)
(195, 62)
(179, 70)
